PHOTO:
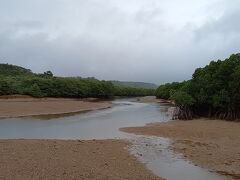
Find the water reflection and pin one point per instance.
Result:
(154, 152)
(104, 124)
(100, 124)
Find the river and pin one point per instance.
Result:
(105, 124)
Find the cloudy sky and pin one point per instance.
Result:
(137, 40)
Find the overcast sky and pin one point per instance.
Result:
(138, 40)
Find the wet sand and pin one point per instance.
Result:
(27, 106)
(72, 159)
(212, 144)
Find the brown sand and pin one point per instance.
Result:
(59, 159)
(28, 106)
(213, 144)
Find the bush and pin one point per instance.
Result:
(35, 91)
(18, 80)
(213, 91)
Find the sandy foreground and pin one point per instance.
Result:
(72, 159)
(212, 144)
(28, 106)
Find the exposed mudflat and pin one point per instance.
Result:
(212, 144)
(71, 159)
(27, 106)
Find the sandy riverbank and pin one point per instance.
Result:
(28, 106)
(212, 144)
(59, 159)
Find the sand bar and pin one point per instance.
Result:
(28, 106)
(212, 144)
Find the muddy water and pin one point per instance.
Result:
(104, 124)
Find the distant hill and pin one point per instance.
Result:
(135, 84)
(13, 70)
(16, 80)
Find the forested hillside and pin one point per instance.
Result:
(12, 70)
(135, 84)
(213, 91)
(18, 80)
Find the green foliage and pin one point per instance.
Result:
(182, 99)
(47, 74)
(140, 85)
(17, 80)
(12, 70)
(130, 91)
(165, 91)
(4, 88)
(214, 89)
(35, 91)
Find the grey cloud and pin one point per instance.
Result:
(227, 25)
(220, 37)
(139, 40)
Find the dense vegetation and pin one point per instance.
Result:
(131, 91)
(213, 91)
(18, 80)
(142, 85)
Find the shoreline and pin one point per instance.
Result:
(28, 106)
(211, 144)
(56, 114)
(67, 159)
(70, 159)
(17, 106)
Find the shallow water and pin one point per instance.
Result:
(154, 152)
(101, 124)
(104, 124)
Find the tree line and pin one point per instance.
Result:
(18, 80)
(213, 91)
